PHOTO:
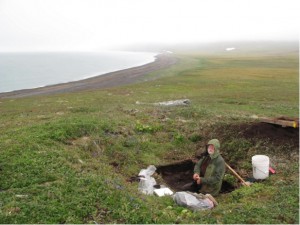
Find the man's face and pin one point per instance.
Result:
(211, 149)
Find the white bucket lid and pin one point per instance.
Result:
(260, 158)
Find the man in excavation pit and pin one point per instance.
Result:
(209, 171)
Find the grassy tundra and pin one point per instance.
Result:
(67, 158)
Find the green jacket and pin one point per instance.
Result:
(212, 180)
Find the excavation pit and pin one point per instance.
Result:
(178, 174)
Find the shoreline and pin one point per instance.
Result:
(111, 79)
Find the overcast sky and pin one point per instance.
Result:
(27, 25)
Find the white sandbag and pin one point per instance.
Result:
(190, 201)
(147, 172)
(146, 181)
(163, 192)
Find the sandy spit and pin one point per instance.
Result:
(113, 79)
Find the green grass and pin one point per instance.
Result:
(67, 158)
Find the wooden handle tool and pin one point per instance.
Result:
(238, 176)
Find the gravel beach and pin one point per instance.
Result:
(112, 79)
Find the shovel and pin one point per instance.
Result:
(238, 176)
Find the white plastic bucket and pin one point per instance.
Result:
(260, 165)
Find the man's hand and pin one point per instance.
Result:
(196, 176)
(198, 180)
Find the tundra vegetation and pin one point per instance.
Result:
(67, 158)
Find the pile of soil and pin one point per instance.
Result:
(275, 133)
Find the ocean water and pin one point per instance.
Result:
(30, 70)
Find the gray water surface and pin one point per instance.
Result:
(31, 70)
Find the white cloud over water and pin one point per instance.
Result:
(101, 24)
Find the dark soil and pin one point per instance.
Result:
(276, 134)
(178, 174)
